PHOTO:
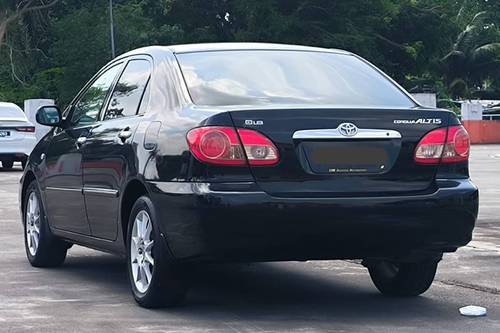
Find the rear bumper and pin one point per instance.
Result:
(236, 223)
(13, 157)
(17, 149)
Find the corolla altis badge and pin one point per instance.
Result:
(348, 129)
(431, 121)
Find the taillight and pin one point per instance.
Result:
(226, 146)
(258, 148)
(216, 145)
(430, 148)
(443, 145)
(29, 129)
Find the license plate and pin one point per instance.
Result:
(350, 158)
(4, 134)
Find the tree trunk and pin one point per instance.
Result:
(3, 29)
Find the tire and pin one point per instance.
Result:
(7, 164)
(49, 251)
(153, 276)
(403, 279)
(23, 164)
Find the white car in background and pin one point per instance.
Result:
(17, 135)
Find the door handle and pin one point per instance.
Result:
(125, 134)
(81, 141)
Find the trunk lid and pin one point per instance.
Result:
(8, 129)
(344, 152)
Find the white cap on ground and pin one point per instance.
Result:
(473, 311)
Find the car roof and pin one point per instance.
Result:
(204, 47)
(209, 47)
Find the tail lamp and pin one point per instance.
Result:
(443, 145)
(228, 146)
(26, 129)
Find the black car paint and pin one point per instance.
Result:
(220, 213)
(214, 222)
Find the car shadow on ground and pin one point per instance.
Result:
(260, 291)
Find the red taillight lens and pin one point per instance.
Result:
(430, 148)
(29, 129)
(457, 145)
(216, 145)
(221, 146)
(443, 145)
(258, 148)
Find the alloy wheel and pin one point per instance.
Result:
(33, 223)
(141, 255)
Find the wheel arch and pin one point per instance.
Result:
(29, 177)
(133, 191)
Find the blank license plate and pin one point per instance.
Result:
(347, 157)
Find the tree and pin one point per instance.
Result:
(52, 47)
(11, 11)
(474, 60)
(80, 58)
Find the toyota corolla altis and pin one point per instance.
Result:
(248, 152)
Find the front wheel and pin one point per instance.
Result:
(42, 248)
(403, 279)
(153, 275)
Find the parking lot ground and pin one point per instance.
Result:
(89, 293)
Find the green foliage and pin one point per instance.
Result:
(474, 58)
(454, 44)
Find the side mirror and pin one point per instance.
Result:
(49, 116)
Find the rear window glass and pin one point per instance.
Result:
(286, 77)
(11, 112)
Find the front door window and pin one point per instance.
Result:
(86, 110)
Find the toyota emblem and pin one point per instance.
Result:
(348, 129)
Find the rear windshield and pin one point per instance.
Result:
(11, 113)
(286, 77)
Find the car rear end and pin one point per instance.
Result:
(282, 180)
(17, 135)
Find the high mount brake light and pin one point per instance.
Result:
(443, 145)
(227, 146)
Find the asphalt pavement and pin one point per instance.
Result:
(89, 293)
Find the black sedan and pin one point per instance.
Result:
(248, 152)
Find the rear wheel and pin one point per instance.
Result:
(402, 279)
(42, 248)
(153, 275)
(7, 164)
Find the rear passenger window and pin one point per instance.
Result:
(129, 90)
(145, 99)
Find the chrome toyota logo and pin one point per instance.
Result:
(348, 129)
